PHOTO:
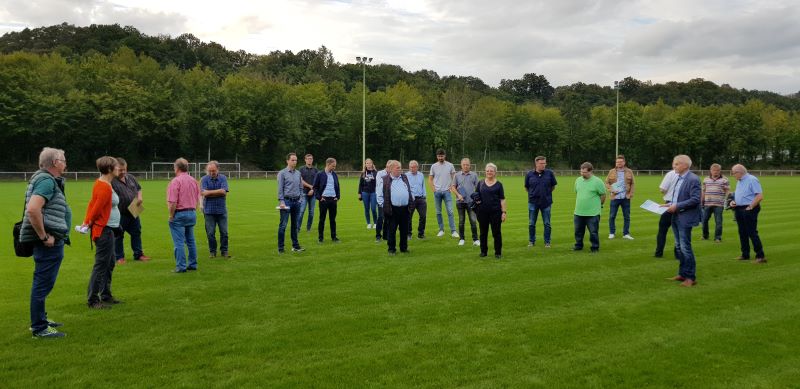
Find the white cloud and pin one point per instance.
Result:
(746, 43)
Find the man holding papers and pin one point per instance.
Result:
(619, 183)
(130, 206)
(685, 210)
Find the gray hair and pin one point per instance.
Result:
(683, 158)
(413, 162)
(182, 164)
(212, 162)
(739, 168)
(491, 166)
(392, 163)
(49, 156)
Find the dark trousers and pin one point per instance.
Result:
(494, 220)
(664, 224)
(212, 221)
(47, 261)
(625, 204)
(292, 213)
(398, 219)
(463, 212)
(133, 226)
(582, 223)
(104, 262)
(748, 230)
(327, 206)
(717, 211)
(687, 266)
(421, 206)
(380, 226)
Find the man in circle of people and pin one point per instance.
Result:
(129, 191)
(441, 179)
(214, 189)
(540, 184)
(396, 199)
(290, 186)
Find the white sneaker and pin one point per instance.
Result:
(610, 236)
(373, 226)
(476, 243)
(369, 226)
(441, 233)
(461, 242)
(627, 236)
(455, 235)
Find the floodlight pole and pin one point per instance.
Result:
(616, 150)
(364, 61)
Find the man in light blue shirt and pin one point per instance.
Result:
(417, 181)
(380, 229)
(326, 190)
(747, 205)
(396, 198)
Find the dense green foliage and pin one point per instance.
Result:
(348, 315)
(111, 89)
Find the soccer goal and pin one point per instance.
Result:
(229, 169)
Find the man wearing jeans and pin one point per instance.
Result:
(307, 173)
(214, 191)
(620, 184)
(183, 194)
(441, 179)
(540, 184)
(46, 225)
(685, 211)
(712, 200)
(590, 196)
(289, 191)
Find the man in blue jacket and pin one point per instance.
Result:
(685, 210)
(326, 190)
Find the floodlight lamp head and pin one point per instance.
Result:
(369, 60)
(358, 59)
(616, 84)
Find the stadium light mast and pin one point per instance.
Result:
(364, 61)
(616, 150)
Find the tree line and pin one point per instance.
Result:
(112, 90)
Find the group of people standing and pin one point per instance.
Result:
(390, 198)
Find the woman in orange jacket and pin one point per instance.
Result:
(103, 216)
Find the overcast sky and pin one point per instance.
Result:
(745, 43)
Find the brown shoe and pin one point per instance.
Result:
(121, 261)
(143, 258)
(688, 283)
(761, 260)
(676, 278)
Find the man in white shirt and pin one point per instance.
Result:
(665, 222)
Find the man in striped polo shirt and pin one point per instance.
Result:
(715, 190)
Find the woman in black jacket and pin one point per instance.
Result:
(492, 211)
(366, 192)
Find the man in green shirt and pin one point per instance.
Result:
(590, 195)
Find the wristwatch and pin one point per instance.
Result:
(46, 237)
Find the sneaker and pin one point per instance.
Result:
(99, 305)
(54, 324)
(121, 261)
(531, 244)
(191, 269)
(461, 242)
(410, 236)
(627, 236)
(226, 256)
(212, 255)
(476, 243)
(320, 241)
(373, 226)
(378, 240)
(482, 255)
(547, 245)
(440, 234)
(717, 240)
(498, 256)
(336, 240)
(298, 249)
(455, 235)
(143, 258)
(421, 236)
(49, 332)
(369, 226)
(110, 301)
(280, 251)
(184, 270)
(610, 236)
(392, 253)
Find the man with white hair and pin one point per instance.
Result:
(747, 205)
(417, 181)
(396, 200)
(685, 210)
(45, 225)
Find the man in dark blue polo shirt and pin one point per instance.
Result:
(214, 189)
(540, 184)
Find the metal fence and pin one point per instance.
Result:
(272, 174)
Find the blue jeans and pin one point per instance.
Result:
(687, 266)
(133, 226)
(533, 215)
(212, 221)
(182, 229)
(47, 262)
(581, 224)
(370, 206)
(292, 213)
(626, 214)
(448, 202)
(309, 202)
(717, 211)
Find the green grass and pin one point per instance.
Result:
(349, 315)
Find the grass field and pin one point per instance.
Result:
(348, 315)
